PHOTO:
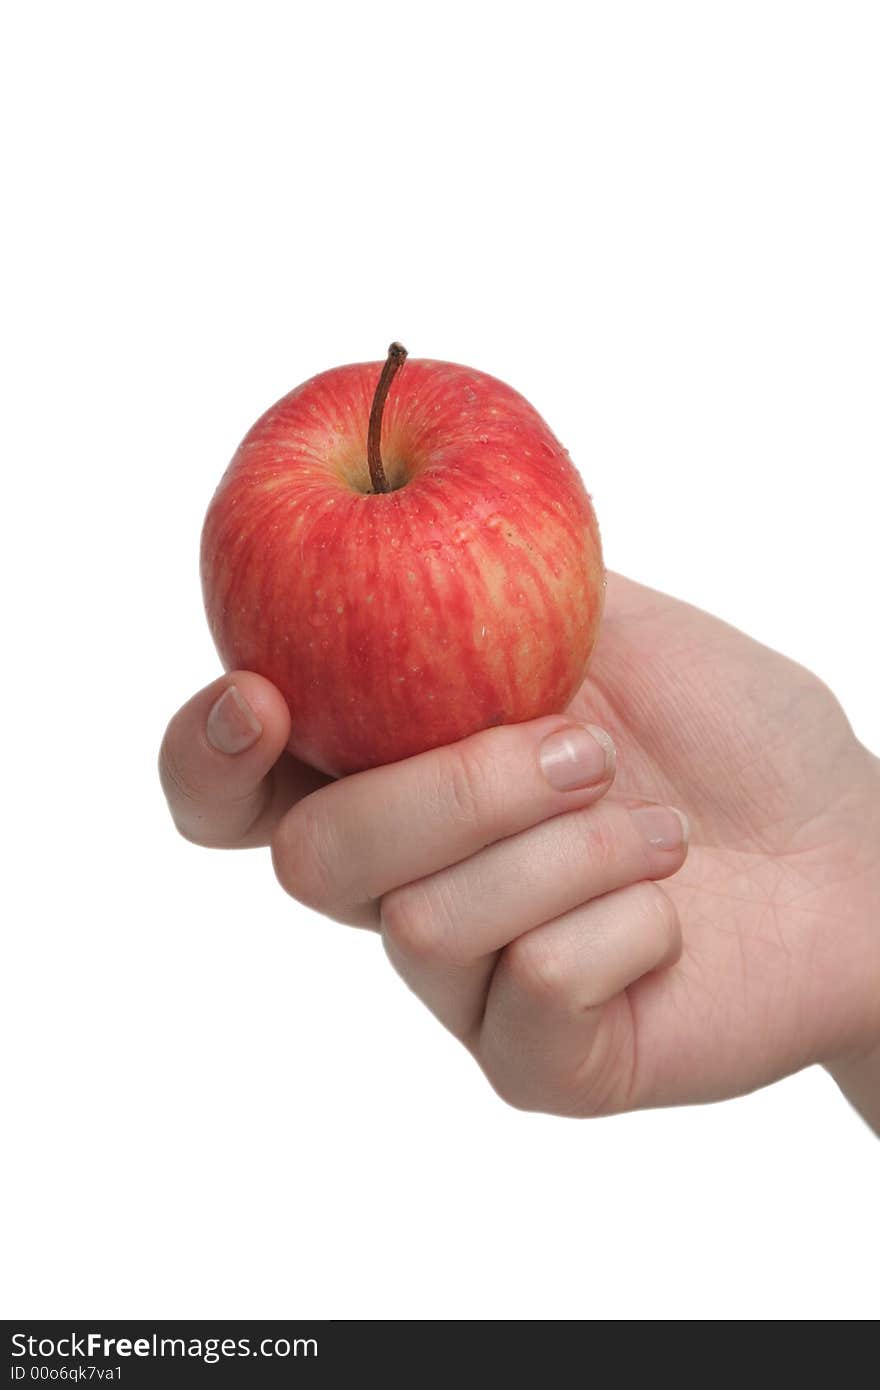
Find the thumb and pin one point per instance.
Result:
(223, 767)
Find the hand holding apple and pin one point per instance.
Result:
(463, 855)
(409, 556)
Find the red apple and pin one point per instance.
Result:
(405, 590)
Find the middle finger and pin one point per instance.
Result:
(346, 845)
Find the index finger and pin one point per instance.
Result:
(340, 850)
(223, 767)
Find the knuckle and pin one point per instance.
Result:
(302, 856)
(560, 1085)
(469, 781)
(177, 782)
(509, 1089)
(532, 1089)
(537, 969)
(407, 924)
(507, 1081)
(602, 842)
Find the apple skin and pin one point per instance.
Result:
(468, 596)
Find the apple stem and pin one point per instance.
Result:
(394, 361)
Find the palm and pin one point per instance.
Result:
(759, 754)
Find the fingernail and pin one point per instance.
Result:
(232, 725)
(579, 756)
(661, 827)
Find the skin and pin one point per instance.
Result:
(587, 970)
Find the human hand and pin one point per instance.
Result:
(529, 918)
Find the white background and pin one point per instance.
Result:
(661, 223)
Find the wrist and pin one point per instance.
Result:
(856, 1068)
